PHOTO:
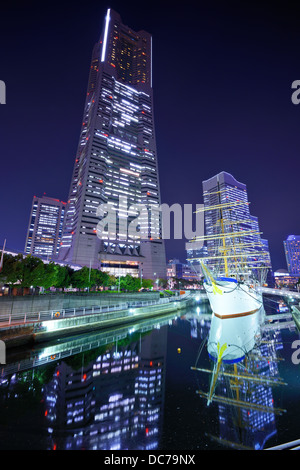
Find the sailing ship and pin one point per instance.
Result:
(234, 270)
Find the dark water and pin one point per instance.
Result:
(134, 388)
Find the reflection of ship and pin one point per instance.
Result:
(237, 313)
(234, 270)
(244, 396)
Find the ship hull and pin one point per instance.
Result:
(237, 310)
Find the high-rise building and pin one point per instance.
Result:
(116, 161)
(292, 254)
(45, 227)
(223, 190)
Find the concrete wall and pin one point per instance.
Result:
(57, 328)
(40, 303)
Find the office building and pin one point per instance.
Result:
(229, 197)
(185, 271)
(45, 227)
(115, 167)
(194, 252)
(292, 254)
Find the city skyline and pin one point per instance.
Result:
(227, 107)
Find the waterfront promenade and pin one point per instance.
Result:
(29, 319)
(20, 325)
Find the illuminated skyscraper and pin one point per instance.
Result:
(45, 227)
(117, 158)
(223, 189)
(292, 254)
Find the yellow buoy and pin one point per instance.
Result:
(179, 350)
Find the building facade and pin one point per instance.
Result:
(292, 254)
(228, 199)
(186, 271)
(45, 227)
(115, 175)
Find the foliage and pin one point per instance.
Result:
(90, 278)
(30, 271)
(147, 283)
(129, 283)
(25, 272)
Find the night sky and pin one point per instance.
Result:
(222, 75)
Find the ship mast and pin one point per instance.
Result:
(223, 233)
(233, 250)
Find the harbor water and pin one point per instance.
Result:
(144, 387)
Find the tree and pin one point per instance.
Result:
(48, 277)
(63, 276)
(102, 279)
(112, 281)
(147, 283)
(130, 283)
(80, 278)
(10, 270)
(163, 283)
(33, 271)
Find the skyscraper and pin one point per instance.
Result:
(292, 254)
(45, 227)
(223, 189)
(116, 161)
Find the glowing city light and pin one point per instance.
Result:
(105, 35)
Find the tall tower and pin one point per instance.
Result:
(116, 161)
(45, 227)
(292, 254)
(223, 189)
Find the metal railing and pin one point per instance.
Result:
(28, 318)
(292, 445)
(280, 292)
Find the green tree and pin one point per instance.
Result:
(129, 283)
(48, 276)
(112, 281)
(10, 270)
(25, 272)
(147, 283)
(33, 271)
(102, 279)
(91, 278)
(63, 276)
(163, 283)
(80, 278)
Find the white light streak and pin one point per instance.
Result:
(105, 35)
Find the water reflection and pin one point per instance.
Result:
(242, 386)
(244, 396)
(109, 397)
(114, 389)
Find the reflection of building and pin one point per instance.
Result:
(69, 397)
(45, 227)
(292, 254)
(244, 395)
(117, 158)
(116, 402)
(150, 387)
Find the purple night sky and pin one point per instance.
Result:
(222, 75)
